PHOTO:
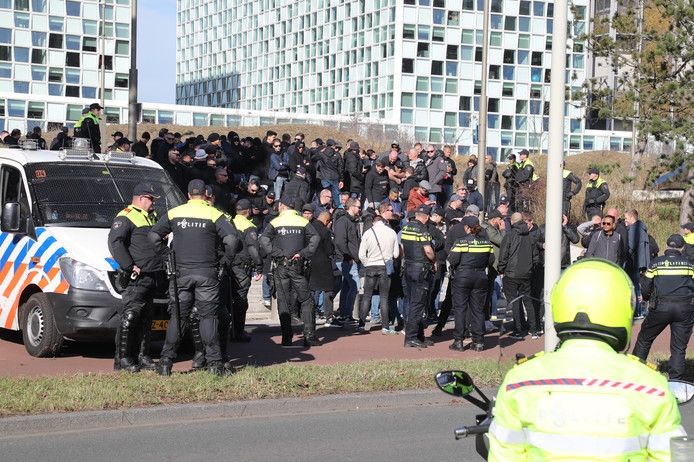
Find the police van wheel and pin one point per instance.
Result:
(41, 338)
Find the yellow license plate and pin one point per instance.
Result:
(160, 324)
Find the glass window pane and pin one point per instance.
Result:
(122, 30)
(407, 100)
(89, 27)
(21, 20)
(6, 35)
(38, 73)
(72, 42)
(122, 47)
(55, 24)
(495, 39)
(72, 76)
(72, 9)
(451, 86)
(15, 108)
(38, 6)
(468, 37)
(437, 85)
(406, 116)
(422, 100)
(6, 70)
(21, 54)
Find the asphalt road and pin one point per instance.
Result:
(397, 427)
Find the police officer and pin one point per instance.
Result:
(196, 227)
(420, 263)
(469, 258)
(585, 401)
(246, 261)
(524, 179)
(597, 194)
(571, 186)
(291, 240)
(140, 268)
(88, 127)
(669, 285)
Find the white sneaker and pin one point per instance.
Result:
(267, 303)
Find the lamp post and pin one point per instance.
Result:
(132, 77)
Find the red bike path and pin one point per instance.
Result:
(340, 345)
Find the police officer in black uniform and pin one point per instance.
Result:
(140, 268)
(196, 227)
(420, 264)
(469, 257)
(246, 261)
(291, 240)
(669, 284)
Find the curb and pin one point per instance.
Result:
(46, 423)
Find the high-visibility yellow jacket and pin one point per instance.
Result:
(583, 402)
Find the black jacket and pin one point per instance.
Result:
(669, 277)
(297, 188)
(518, 253)
(347, 238)
(569, 236)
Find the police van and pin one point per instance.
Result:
(58, 280)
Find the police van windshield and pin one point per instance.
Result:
(91, 194)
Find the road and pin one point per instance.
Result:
(385, 428)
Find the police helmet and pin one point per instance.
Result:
(594, 298)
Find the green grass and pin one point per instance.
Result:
(84, 392)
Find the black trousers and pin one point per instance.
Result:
(240, 285)
(289, 282)
(680, 317)
(375, 276)
(470, 291)
(198, 287)
(419, 291)
(517, 294)
(137, 306)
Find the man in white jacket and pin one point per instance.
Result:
(377, 250)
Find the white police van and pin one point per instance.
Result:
(57, 277)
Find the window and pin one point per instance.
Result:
(38, 56)
(72, 42)
(453, 18)
(21, 54)
(436, 102)
(495, 39)
(55, 74)
(422, 84)
(510, 23)
(536, 91)
(438, 35)
(478, 54)
(55, 41)
(72, 59)
(89, 44)
(452, 52)
(38, 73)
(5, 53)
(536, 58)
(524, 8)
(439, 16)
(493, 105)
(21, 5)
(494, 72)
(523, 57)
(538, 8)
(423, 32)
(497, 6)
(36, 110)
(72, 76)
(464, 103)
(408, 31)
(507, 89)
(21, 87)
(21, 20)
(422, 50)
(509, 72)
(38, 39)
(6, 35)
(38, 6)
(437, 68)
(72, 8)
(521, 107)
(468, 37)
(89, 92)
(15, 108)
(451, 68)
(451, 86)
(407, 100)
(421, 100)
(509, 56)
(506, 122)
(407, 66)
(55, 24)
(5, 73)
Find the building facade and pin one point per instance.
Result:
(412, 65)
(410, 68)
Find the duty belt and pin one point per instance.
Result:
(417, 263)
(471, 269)
(681, 298)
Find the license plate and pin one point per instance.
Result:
(160, 324)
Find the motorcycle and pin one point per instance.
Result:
(460, 384)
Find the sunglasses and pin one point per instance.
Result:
(430, 150)
(607, 223)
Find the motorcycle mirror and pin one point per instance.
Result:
(683, 391)
(456, 383)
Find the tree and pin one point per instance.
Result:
(648, 45)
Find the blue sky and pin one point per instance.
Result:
(156, 51)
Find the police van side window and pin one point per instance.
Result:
(13, 189)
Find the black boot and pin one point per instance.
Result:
(310, 338)
(164, 366)
(124, 337)
(287, 332)
(224, 324)
(457, 345)
(144, 337)
(199, 356)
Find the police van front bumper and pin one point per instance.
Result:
(91, 315)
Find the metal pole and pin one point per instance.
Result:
(555, 165)
(132, 78)
(482, 123)
(102, 125)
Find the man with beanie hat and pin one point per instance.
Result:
(669, 285)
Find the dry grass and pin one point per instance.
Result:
(82, 392)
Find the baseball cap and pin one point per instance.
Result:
(524, 152)
(511, 156)
(118, 134)
(689, 226)
(494, 214)
(243, 204)
(504, 200)
(95, 106)
(455, 197)
(470, 221)
(196, 188)
(425, 184)
(675, 241)
(301, 170)
(331, 142)
(288, 201)
(122, 141)
(473, 209)
(594, 170)
(354, 146)
(212, 137)
(438, 211)
(271, 195)
(425, 209)
(308, 207)
(144, 189)
(471, 183)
